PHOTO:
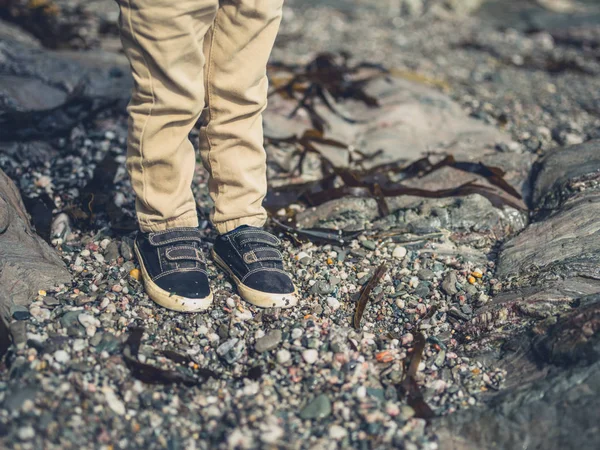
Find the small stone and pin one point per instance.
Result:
(112, 252)
(61, 356)
(337, 432)
(297, 333)
(39, 314)
(283, 356)
(113, 402)
(87, 320)
(449, 283)
(135, 274)
(105, 243)
(99, 257)
(399, 252)
(18, 332)
(126, 251)
(318, 408)
(303, 258)
(406, 412)
(51, 301)
(310, 356)
(19, 312)
(369, 245)
(231, 350)
(269, 341)
(425, 274)
(26, 433)
(333, 303)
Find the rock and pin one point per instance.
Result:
(283, 356)
(15, 400)
(126, 251)
(269, 341)
(113, 402)
(449, 283)
(18, 333)
(304, 258)
(337, 432)
(27, 263)
(51, 301)
(333, 303)
(112, 252)
(19, 312)
(368, 244)
(231, 350)
(399, 252)
(318, 408)
(26, 433)
(310, 356)
(40, 314)
(346, 213)
(61, 356)
(425, 274)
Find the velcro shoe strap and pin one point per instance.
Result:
(262, 254)
(184, 253)
(257, 236)
(175, 235)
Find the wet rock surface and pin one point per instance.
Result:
(491, 311)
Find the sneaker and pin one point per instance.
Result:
(250, 256)
(174, 269)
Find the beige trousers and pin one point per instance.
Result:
(187, 55)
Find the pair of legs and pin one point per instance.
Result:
(188, 55)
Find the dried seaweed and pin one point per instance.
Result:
(364, 295)
(97, 198)
(317, 235)
(155, 375)
(328, 78)
(409, 387)
(377, 183)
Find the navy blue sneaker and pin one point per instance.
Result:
(174, 269)
(251, 257)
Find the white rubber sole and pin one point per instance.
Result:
(168, 300)
(258, 298)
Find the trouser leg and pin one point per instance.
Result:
(237, 48)
(163, 40)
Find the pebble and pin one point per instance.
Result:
(283, 356)
(231, 350)
(269, 341)
(40, 314)
(51, 301)
(368, 244)
(19, 312)
(112, 252)
(449, 283)
(337, 432)
(333, 303)
(99, 257)
(61, 356)
(310, 356)
(399, 252)
(26, 433)
(303, 258)
(126, 251)
(318, 408)
(113, 402)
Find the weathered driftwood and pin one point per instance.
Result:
(27, 263)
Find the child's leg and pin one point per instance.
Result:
(163, 40)
(237, 50)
